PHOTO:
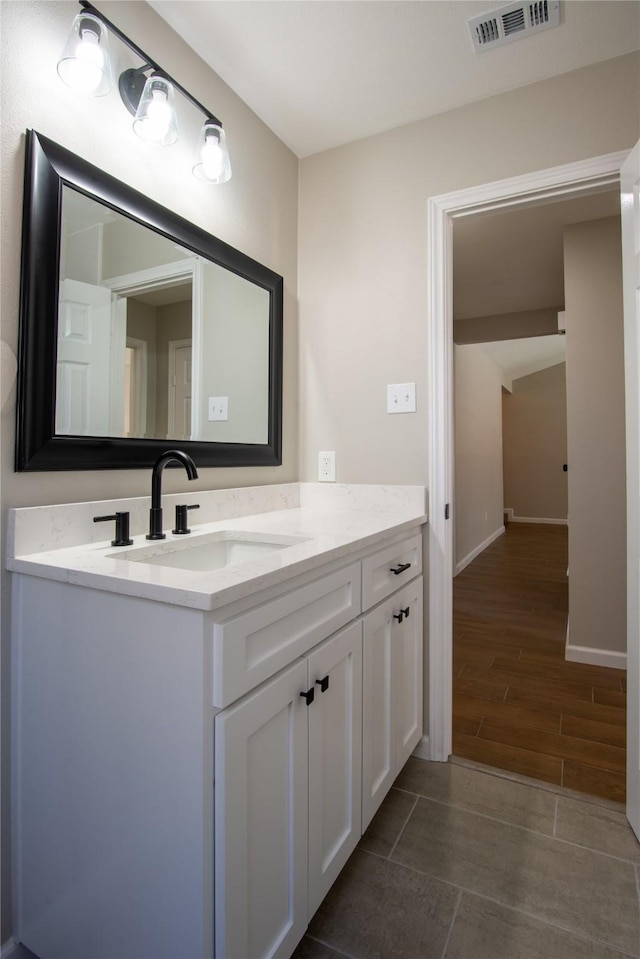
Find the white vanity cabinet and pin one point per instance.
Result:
(175, 794)
(287, 803)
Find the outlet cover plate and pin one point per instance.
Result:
(327, 466)
(401, 398)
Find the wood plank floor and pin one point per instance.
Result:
(517, 704)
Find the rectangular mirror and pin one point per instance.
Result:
(138, 330)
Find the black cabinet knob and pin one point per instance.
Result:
(309, 696)
(396, 570)
(323, 684)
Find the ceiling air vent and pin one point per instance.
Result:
(513, 22)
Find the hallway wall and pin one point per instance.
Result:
(477, 514)
(596, 422)
(534, 425)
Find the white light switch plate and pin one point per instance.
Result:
(401, 398)
(218, 408)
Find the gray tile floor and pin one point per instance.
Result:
(464, 863)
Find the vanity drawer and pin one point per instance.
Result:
(250, 647)
(390, 568)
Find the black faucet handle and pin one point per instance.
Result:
(181, 518)
(122, 528)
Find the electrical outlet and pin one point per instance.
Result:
(218, 408)
(327, 466)
(401, 398)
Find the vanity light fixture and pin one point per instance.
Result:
(147, 92)
(85, 64)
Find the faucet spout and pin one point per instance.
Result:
(155, 513)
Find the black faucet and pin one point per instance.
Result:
(155, 513)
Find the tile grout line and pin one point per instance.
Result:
(590, 799)
(451, 925)
(403, 827)
(502, 822)
(555, 818)
(328, 945)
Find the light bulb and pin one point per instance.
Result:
(85, 70)
(158, 117)
(155, 119)
(212, 158)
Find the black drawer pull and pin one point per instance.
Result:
(309, 696)
(403, 614)
(396, 570)
(323, 684)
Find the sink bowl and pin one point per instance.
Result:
(209, 552)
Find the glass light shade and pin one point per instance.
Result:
(155, 119)
(212, 158)
(85, 64)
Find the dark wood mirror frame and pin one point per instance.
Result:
(48, 168)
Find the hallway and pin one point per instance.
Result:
(517, 704)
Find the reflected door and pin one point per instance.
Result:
(179, 390)
(90, 329)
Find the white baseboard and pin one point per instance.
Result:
(8, 948)
(469, 558)
(534, 519)
(422, 749)
(595, 657)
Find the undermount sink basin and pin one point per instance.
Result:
(209, 552)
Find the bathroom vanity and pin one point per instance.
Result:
(205, 726)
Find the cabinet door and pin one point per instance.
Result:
(335, 758)
(261, 817)
(392, 692)
(408, 643)
(378, 708)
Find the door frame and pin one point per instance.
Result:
(555, 183)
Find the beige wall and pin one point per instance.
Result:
(596, 435)
(363, 254)
(506, 326)
(255, 212)
(478, 513)
(534, 424)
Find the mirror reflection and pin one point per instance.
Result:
(154, 341)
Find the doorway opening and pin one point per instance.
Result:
(557, 183)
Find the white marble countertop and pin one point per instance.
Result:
(331, 523)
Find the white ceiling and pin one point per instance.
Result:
(321, 73)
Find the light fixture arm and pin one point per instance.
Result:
(149, 64)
